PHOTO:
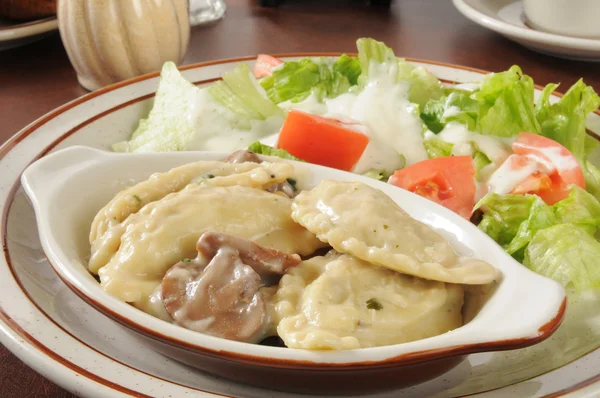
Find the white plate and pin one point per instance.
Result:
(64, 339)
(507, 18)
(14, 33)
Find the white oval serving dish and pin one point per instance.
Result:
(68, 187)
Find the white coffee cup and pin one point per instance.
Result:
(578, 18)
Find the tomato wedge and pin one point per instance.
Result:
(558, 168)
(321, 140)
(449, 181)
(264, 65)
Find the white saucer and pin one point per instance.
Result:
(507, 18)
(14, 34)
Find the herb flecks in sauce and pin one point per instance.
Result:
(374, 304)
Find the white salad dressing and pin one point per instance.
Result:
(451, 111)
(507, 177)
(389, 120)
(466, 142)
(217, 129)
(310, 104)
(377, 156)
(549, 160)
(552, 159)
(380, 158)
(481, 189)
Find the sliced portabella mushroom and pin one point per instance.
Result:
(219, 292)
(243, 156)
(268, 263)
(284, 187)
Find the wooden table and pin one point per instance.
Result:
(37, 78)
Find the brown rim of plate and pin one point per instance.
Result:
(28, 130)
(26, 24)
(31, 340)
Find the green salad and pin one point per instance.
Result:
(516, 166)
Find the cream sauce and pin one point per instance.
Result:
(323, 303)
(140, 240)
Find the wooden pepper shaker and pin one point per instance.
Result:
(112, 40)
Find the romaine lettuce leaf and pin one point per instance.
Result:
(296, 80)
(540, 216)
(591, 144)
(167, 127)
(506, 104)
(580, 207)
(173, 124)
(432, 115)
(592, 178)
(511, 220)
(565, 122)
(566, 253)
(457, 106)
(503, 106)
(262, 149)
(542, 107)
(330, 86)
(292, 79)
(221, 92)
(437, 148)
(378, 61)
(349, 67)
(424, 86)
(480, 160)
(240, 92)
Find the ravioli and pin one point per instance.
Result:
(357, 219)
(106, 228)
(159, 185)
(143, 247)
(339, 302)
